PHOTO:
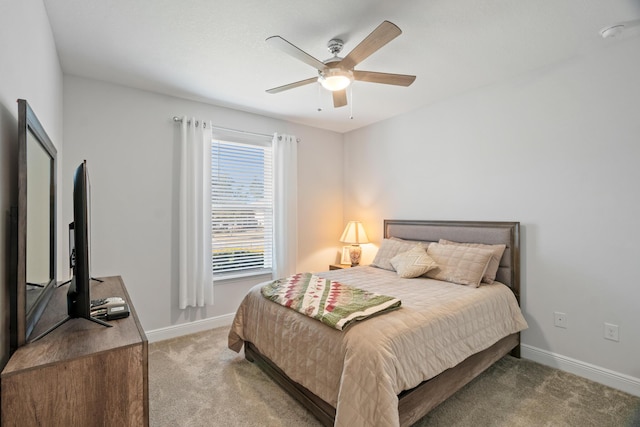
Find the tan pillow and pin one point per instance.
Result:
(492, 268)
(459, 264)
(413, 263)
(388, 249)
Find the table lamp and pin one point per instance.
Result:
(354, 234)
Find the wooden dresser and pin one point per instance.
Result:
(82, 373)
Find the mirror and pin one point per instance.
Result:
(36, 224)
(38, 220)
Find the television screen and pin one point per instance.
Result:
(79, 294)
(78, 297)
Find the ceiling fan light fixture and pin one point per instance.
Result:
(335, 79)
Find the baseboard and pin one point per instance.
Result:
(189, 328)
(598, 374)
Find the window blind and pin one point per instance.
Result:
(241, 206)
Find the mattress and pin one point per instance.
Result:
(361, 370)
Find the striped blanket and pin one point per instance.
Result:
(330, 302)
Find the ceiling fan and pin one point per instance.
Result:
(336, 74)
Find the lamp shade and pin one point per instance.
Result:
(354, 233)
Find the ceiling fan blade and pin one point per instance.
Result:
(385, 78)
(339, 98)
(292, 85)
(286, 47)
(382, 35)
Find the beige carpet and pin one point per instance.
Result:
(197, 381)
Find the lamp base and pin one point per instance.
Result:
(354, 253)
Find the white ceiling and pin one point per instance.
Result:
(215, 51)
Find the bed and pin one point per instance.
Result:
(393, 368)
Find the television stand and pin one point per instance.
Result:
(69, 281)
(65, 320)
(74, 315)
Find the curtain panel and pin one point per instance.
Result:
(285, 188)
(196, 265)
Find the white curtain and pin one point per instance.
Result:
(285, 188)
(196, 269)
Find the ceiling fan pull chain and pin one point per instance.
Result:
(351, 102)
(319, 97)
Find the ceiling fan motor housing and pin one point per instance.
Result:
(334, 77)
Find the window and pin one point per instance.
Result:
(241, 207)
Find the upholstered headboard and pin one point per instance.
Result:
(490, 233)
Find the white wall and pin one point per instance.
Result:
(29, 69)
(130, 143)
(556, 149)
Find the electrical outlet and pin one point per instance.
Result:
(611, 332)
(560, 319)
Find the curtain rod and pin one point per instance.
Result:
(179, 119)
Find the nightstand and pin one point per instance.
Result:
(339, 266)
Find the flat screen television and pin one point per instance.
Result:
(79, 293)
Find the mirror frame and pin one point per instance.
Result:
(24, 319)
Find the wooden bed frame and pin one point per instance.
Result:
(416, 403)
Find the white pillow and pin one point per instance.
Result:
(413, 263)
(459, 264)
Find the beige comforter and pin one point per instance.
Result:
(360, 371)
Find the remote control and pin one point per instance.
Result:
(108, 301)
(98, 302)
